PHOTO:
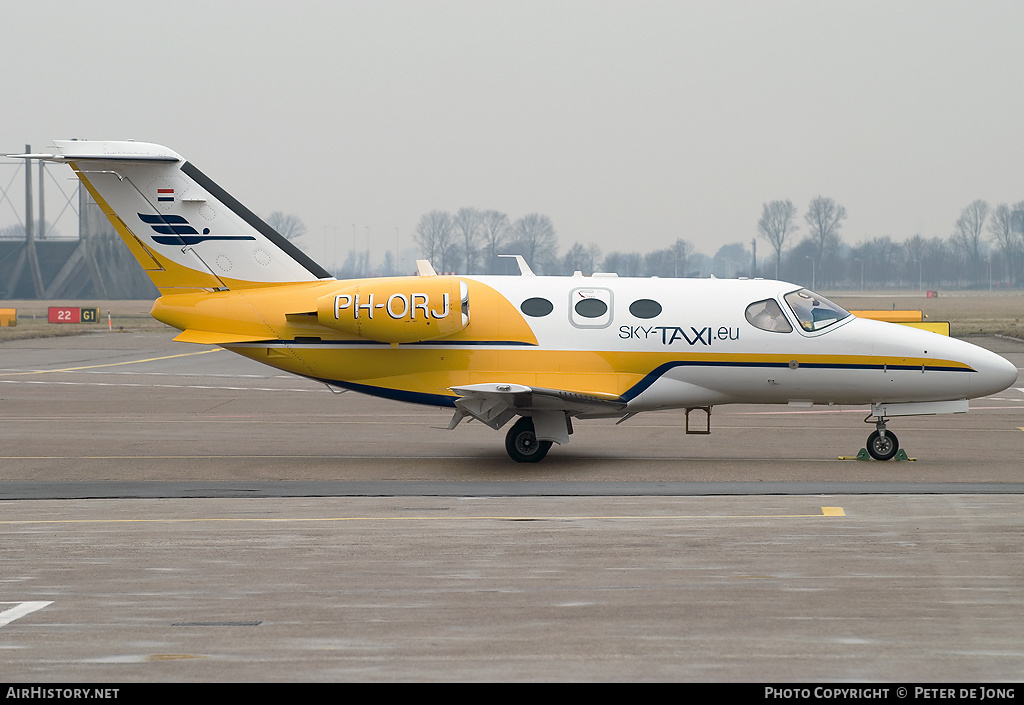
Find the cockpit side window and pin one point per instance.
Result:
(813, 311)
(767, 315)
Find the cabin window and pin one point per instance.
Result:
(591, 308)
(767, 315)
(814, 312)
(645, 308)
(536, 307)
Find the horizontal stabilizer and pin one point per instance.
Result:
(123, 151)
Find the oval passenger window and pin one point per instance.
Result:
(536, 307)
(645, 308)
(591, 308)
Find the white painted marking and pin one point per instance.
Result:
(20, 610)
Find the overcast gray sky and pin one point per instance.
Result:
(628, 123)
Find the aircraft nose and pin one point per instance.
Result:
(994, 373)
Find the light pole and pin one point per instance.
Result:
(331, 245)
(813, 283)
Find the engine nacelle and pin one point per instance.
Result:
(399, 310)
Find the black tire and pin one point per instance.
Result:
(522, 445)
(881, 448)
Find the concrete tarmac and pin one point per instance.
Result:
(138, 407)
(194, 516)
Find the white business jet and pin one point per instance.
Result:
(548, 350)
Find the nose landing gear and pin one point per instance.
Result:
(882, 444)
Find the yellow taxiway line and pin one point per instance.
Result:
(109, 364)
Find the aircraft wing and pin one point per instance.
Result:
(495, 403)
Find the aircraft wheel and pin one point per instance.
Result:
(883, 448)
(522, 444)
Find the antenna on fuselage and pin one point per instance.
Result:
(524, 268)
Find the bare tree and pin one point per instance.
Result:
(496, 232)
(434, 236)
(1000, 226)
(824, 218)
(731, 261)
(580, 258)
(776, 224)
(658, 263)
(535, 234)
(468, 226)
(967, 234)
(1017, 216)
(625, 264)
(915, 249)
(291, 227)
(882, 260)
(634, 264)
(1017, 224)
(12, 232)
(614, 262)
(681, 254)
(673, 261)
(1006, 234)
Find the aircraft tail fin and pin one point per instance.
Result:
(186, 231)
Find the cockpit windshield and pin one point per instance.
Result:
(813, 311)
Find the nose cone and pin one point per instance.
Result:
(993, 373)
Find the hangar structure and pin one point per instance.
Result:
(36, 265)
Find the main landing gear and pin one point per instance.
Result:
(522, 444)
(882, 444)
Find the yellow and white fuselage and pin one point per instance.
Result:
(698, 351)
(547, 349)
